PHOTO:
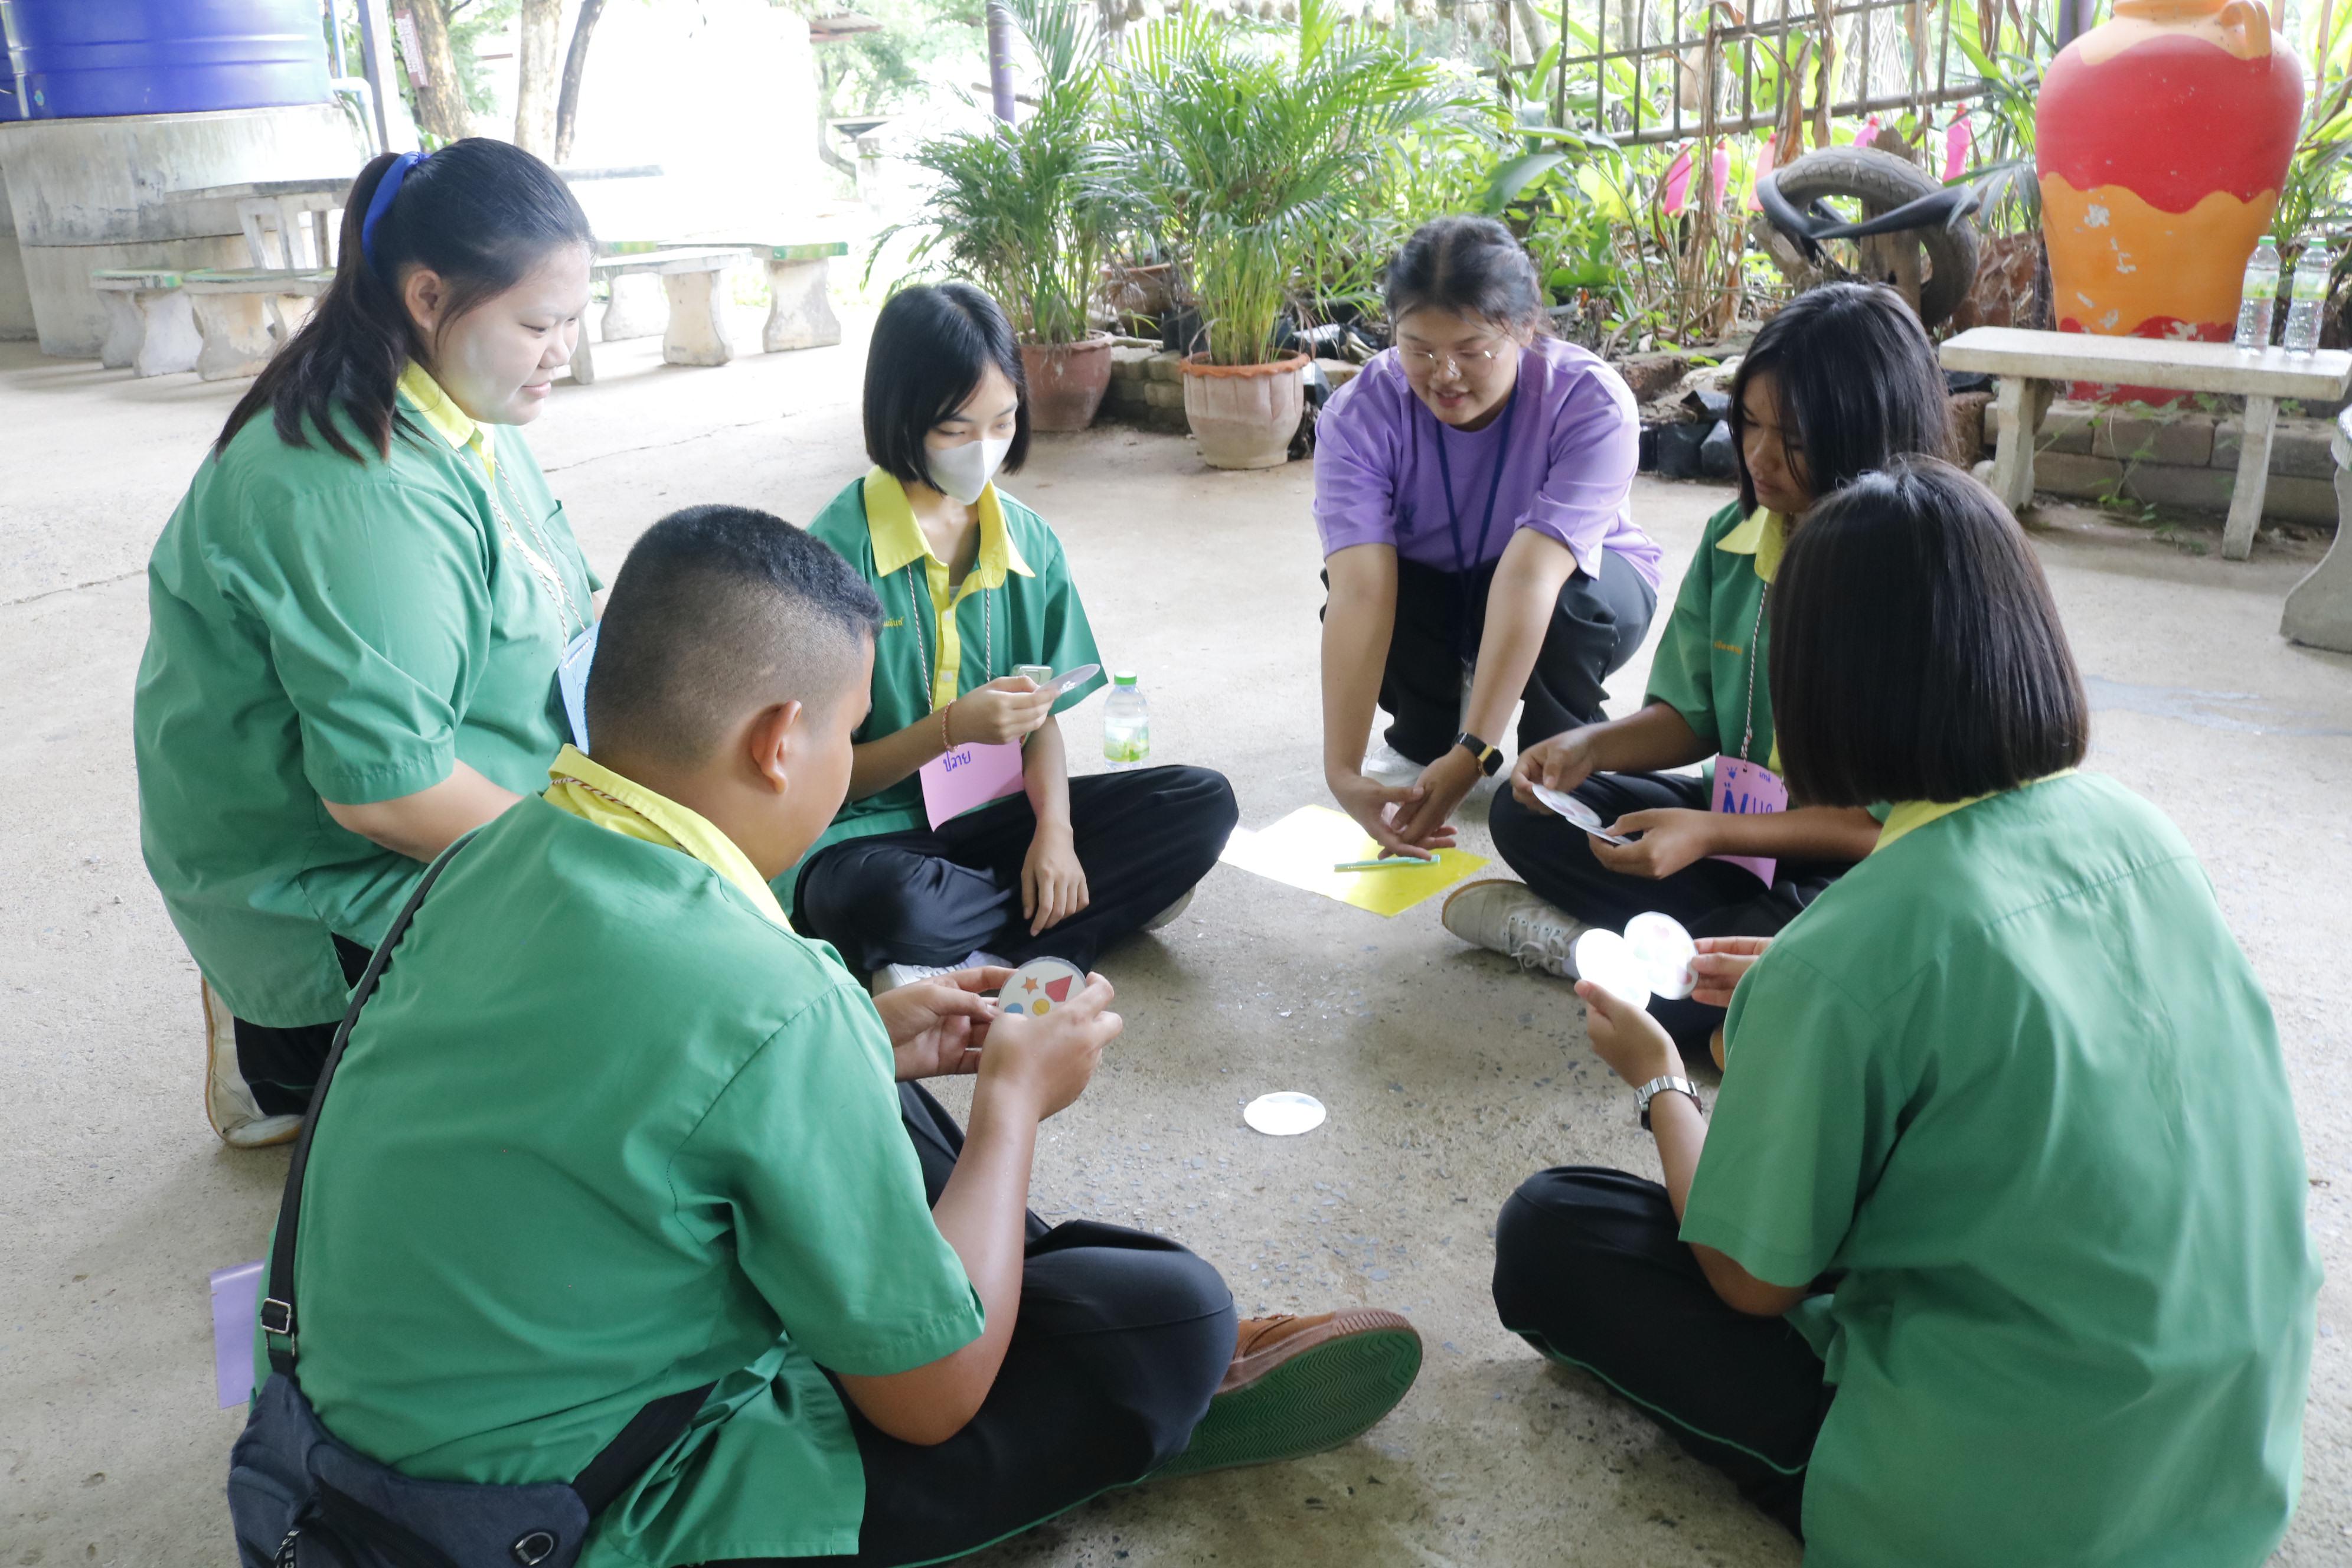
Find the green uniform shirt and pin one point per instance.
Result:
(608, 1133)
(2013, 1079)
(1715, 638)
(319, 627)
(1016, 606)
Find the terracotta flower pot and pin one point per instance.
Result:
(2162, 136)
(1243, 416)
(1067, 381)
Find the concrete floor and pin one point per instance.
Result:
(1448, 1073)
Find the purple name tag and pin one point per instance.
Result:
(1747, 789)
(237, 1298)
(956, 781)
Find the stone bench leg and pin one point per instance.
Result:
(635, 309)
(2319, 609)
(124, 329)
(236, 332)
(168, 340)
(698, 319)
(584, 360)
(800, 308)
(2253, 478)
(2021, 404)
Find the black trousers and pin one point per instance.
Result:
(281, 1065)
(1589, 1270)
(1595, 627)
(1122, 1338)
(933, 896)
(1710, 898)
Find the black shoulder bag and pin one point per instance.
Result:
(300, 1499)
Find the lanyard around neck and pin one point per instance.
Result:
(929, 670)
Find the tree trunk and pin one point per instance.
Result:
(537, 27)
(441, 110)
(575, 66)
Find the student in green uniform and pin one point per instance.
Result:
(2004, 1159)
(702, 1172)
(1840, 383)
(973, 585)
(356, 613)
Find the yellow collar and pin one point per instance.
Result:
(1764, 535)
(898, 538)
(441, 414)
(594, 793)
(1915, 814)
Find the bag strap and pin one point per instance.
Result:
(650, 1431)
(277, 1319)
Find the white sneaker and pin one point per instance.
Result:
(228, 1099)
(890, 976)
(1168, 916)
(1385, 764)
(1509, 918)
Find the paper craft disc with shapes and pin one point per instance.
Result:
(1665, 952)
(1609, 962)
(1285, 1114)
(1041, 985)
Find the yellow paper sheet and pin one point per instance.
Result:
(1301, 850)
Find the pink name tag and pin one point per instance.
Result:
(1746, 788)
(955, 782)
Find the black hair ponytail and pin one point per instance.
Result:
(1472, 267)
(482, 213)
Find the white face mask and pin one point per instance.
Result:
(964, 471)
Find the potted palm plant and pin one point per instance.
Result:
(1243, 146)
(1023, 212)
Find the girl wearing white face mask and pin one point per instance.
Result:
(913, 878)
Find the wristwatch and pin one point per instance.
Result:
(1657, 1086)
(1489, 758)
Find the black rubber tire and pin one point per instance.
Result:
(1885, 181)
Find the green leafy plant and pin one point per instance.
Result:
(2311, 204)
(1253, 151)
(1024, 210)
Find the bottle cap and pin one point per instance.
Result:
(1123, 678)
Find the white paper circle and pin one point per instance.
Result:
(1567, 806)
(1608, 960)
(1285, 1114)
(1665, 952)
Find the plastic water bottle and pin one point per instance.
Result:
(1127, 725)
(2259, 297)
(2309, 297)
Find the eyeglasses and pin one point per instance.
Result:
(1427, 361)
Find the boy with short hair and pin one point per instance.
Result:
(610, 1131)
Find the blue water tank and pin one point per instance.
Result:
(71, 59)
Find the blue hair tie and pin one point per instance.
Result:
(385, 189)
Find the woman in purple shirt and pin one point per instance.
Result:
(1471, 487)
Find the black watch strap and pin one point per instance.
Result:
(1490, 758)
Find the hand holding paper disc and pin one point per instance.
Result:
(1576, 813)
(1040, 986)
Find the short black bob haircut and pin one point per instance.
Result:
(1916, 651)
(931, 344)
(717, 608)
(1857, 381)
(1471, 266)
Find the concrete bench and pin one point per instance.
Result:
(149, 326)
(2319, 609)
(800, 304)
(693, 277)
(2030, 365)
(243, 315)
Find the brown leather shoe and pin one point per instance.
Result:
(1265, 1344)
(1299, 1386)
